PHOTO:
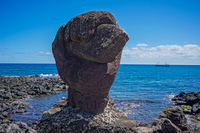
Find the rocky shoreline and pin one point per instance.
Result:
(190, 104)
(63, 118)
(13, 89)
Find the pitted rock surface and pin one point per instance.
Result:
(87, 51)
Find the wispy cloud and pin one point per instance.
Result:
(191, 51)
(48, 53)
(20, 53)
(141, 45)
(3, 49)
(43, 53)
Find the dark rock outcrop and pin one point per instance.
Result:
(164, 125)
(191, 98)
(87, 51)
(176, 116)
(190, 104)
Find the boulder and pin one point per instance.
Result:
(196, 107)
(20, 111)
(176, 116)
(189, 98)
(190, 103)
(5, 114)
(87, 51)
(164, 125)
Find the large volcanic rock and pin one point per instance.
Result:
(87, 51)
(176, 116)
(191, 98)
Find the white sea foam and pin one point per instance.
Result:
(126, 108)
(42, 76)
(11, 76)
(171, 96)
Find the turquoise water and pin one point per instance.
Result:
(142, 92)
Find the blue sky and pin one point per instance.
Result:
(160, 30)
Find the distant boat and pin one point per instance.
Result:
(164, 65)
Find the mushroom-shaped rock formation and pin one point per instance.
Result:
(87, 51)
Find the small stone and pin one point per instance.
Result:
(21, 106)
(22, 125)
(5, 114)
(143, 124)
(15, 103)
(1, 117)
(13, 128)
(20, 111)
(1, 129)
(13, 111)
(5, 125)
(65, 87)
(20, 93)
(64, 98)
(196, 108)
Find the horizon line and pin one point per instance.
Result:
(120, 64)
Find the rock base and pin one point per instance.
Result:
(63, 118)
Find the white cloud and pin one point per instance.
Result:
(189, 51)
(141, 45)
(43, 53)
(48, 53)
(20, 53)
(149, 49)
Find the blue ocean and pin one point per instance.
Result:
(141, 92)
